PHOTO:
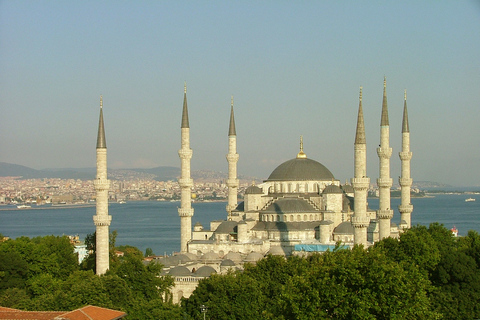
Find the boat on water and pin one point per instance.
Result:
(23, 206)
(469, 199)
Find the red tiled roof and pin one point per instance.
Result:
(14, 314)
(85, 313)
(93, 313)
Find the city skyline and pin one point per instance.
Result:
(293, 68)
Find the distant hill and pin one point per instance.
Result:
(158, 173)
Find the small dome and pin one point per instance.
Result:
(300, 169)
(332, 189)
(277, 251)
(179, 259)
(234, 256)
(254, 257)
(254, 190)
(192, 256)
(180, 271)
(344, 228)
(227, 263)
(210, 256)
(205, 271)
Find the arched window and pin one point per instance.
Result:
(298, 217)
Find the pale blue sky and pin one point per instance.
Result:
(294, 68)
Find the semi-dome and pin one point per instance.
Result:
(344, 228)
(300, 169)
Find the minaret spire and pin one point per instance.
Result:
(405, 181)
(186, 183)
(360, 182)
(360, 135)
(185, 123)
(231, 127)
(405, 127)
(384, 182)
(101, 141)
(102, 184)
(232, 159)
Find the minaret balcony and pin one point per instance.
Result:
(360, 222)
(185, 153)
(103, 220)
(360, 183)
(185, 182)
(232, 157)
(384, 214)
(101, 184)
(384, 153)
(405, 208)
(405, 182)
(384, 182)
(232, 183)
(405, 155)
(185, 212)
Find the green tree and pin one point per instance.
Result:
(145, 281)
(231, 296)
(13, 270)
(149, 252)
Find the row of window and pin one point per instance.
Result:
(291, 217)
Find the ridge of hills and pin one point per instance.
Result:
(161, 173)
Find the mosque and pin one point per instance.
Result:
(299, 208)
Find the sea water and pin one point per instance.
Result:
(156, 225)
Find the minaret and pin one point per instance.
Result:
(405, 181)
(360, 182)
(185, 153)
(232, 159)
(384, 182)
(102, 219)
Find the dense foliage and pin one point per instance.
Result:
(43, 274)
(425, 274)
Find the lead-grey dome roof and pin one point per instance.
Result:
(332, 189)
(300, 169)
(253, 190)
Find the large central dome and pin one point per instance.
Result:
(300, 169)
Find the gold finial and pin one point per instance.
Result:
(185, 87)
(301, 154)
(101, 102)
(361, 93)
(384, 82)
(405, 95)
(232, 100)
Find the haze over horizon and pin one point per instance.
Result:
(294, 68)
